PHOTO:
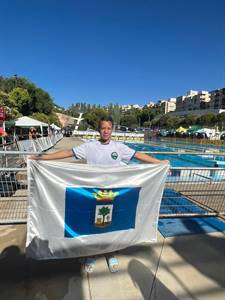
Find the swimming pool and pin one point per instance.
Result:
(193, 184)
(177, 160)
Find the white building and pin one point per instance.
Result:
(167, 105)
(130, 106)
(150, 104)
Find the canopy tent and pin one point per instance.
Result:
(181, 129)
(25, 122)
(194, 128)
(55, 127)
(207, 131)
(29, 122)
(204, 130)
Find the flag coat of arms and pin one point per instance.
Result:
(77, 210)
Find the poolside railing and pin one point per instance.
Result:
(189, 140)
(194, 192)
(123, 136)
(188, 191)
(15, 154)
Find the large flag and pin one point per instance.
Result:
(79, 210)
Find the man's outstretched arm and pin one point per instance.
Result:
(149, 159)
(51, 156)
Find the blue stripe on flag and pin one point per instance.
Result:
(94, 210)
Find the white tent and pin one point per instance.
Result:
(55, 127)
(29, 122)
(207, 131)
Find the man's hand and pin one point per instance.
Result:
(35, 157)
(149, 159)
(166, 162)
(52, 156)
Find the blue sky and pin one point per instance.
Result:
(119, 51)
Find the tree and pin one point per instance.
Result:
(115, 112)
(40, 117)
(77, 108)
(189, 120)
(41, 102)
(129, 120)
(207, 120)
(53, 118)
(93, 117)
(221, 121)
(18, 87)
(20, 98)
(147, 124)
(49, 119)
(145, 116)
(104, 211)
(169, 122)
(4, 99)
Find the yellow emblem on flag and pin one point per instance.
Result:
(105, 195)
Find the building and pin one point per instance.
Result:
(197, 100)
(194, 102)
(188, 100)
(130, 106)
(218, 99)
(202, 100)
(168, 105)
(180, 103)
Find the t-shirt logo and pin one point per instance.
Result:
(114, 155)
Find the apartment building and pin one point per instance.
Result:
(218, 99)
(180, 103)
(167, 105)
(197, 100)
(188, 105)
(194, 102)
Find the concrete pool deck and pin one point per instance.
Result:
(184, 267)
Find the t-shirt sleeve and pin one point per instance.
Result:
(126, 152)
(80, 152)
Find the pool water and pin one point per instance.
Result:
(178, 160)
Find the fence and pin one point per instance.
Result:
(188, 192)
(186, 140)
(13, 195)
(11, 157)
(39, 144)
(194, 192)
(123, 136)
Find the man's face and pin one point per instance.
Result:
(105, 130)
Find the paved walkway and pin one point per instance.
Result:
(185, 267)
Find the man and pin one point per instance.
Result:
(102, 152)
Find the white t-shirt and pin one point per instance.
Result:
(96, 153)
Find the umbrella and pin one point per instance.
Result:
(181, 129)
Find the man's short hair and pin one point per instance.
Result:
(106, 119)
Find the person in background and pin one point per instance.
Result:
(32, 133)
(103, 152)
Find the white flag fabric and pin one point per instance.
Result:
(77, 210)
